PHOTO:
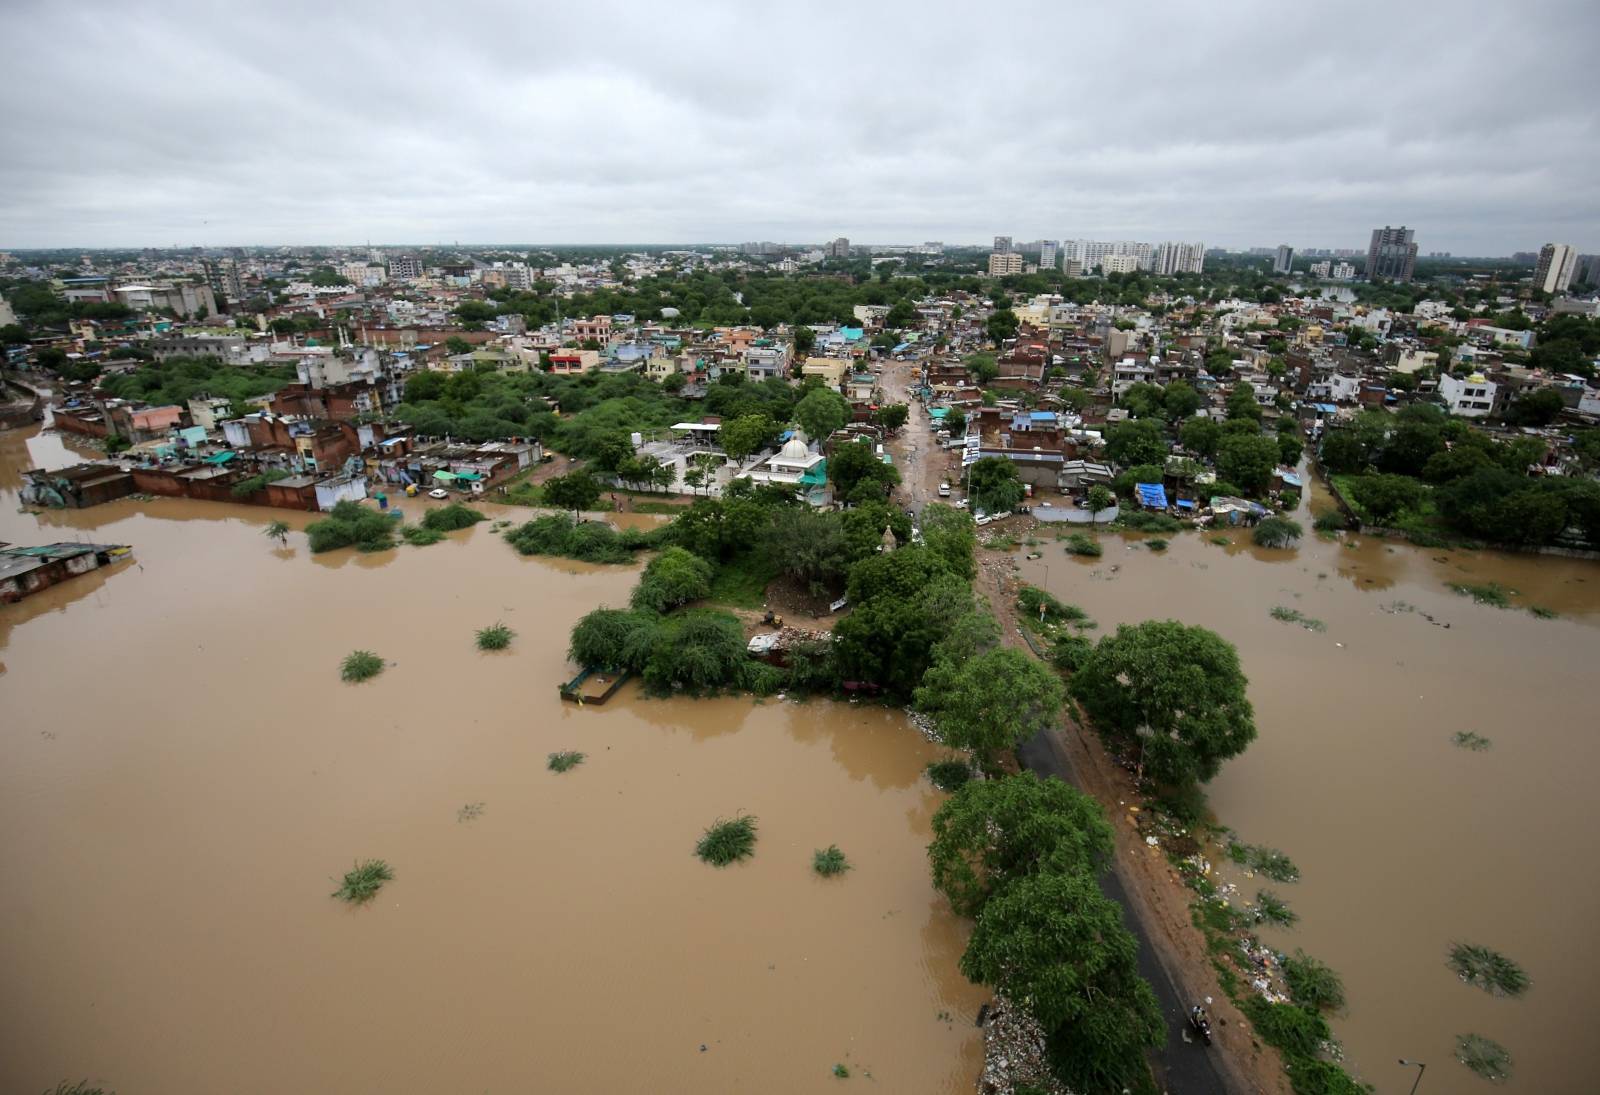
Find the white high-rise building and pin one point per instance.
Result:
(1002, 263)
(1283, 261)
(1178, 258)
(1002, 245)
(1554, 272)
(1119, 264)
(1047, 255)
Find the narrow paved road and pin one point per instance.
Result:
(1182, 1067)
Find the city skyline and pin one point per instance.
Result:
(181, 129)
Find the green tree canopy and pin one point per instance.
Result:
(1175, 689)
(673, 578)
(990, 703)
(1139, 441)
(1248, 460)
(747, 435)
(994, 485)
(1201, 436)
(821, 412)
(995, 831)
(578, 490)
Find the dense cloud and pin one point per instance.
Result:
(1236, 123)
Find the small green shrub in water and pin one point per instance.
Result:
(1297, 1031)
(497, 636)
(360, 665)
(1267, 861)
(452, 517)
(949, 775)
(1140, 521)
(829, 861)
(363, 880)
(1313, 984)
(727, 841)
(417, 536)
(1490, 970)
(1295, 616)
(351, 523)
(1272, 909)
(1080, 544)
(1467, 739)
(1331, 521)
(1276, 532)
(1492, 594)
(1156, 544)
(841, 1071)
(1543, 613)
(1221, 540)
(564, 761)
(1485, 1056)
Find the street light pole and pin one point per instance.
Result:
(1421, 1068)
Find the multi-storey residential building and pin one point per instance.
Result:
(1047, 254)
(362, 274)
(223, 277)
(1178, 258)
(1392, 254)
(1002, 245)
(839, 248)
(1553, 274)
(1343, 271)
(1283, 260)
(405, 268)
(1119, 264)
(1472, 397)
(1003, 263)
(596, 327)
(767, 362)
(1321, 269)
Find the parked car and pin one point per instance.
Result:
(944, 490)
(438, 492)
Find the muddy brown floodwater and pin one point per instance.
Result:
(182, 775)
(1405, 841)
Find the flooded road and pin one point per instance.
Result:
(182, 776)
(1406, 842)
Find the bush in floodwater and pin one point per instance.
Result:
(559, 534)
(762, 679)
(1267, 861)
(360, 665)
(1140, 521)
(1297, 1031)
(497, 636)
(949, 775)
(614, 639)
(1313, 984)
(1295, 616)
(1070, 652)
(363, 880)
(1490, 970)
(1030, 599)
(1272, 909)
(1485, 1056)
(673, 578)
(1543, 613)
(1221, 540)
(351, 523)
(829, 861)
(564, 761)
(1276, 532)
(418, 536)
(1467, 739)
(841, 1071)
(452, 517)
(727, 841)
(811, 666)
(1491, 594)
(699, 651)
(1082, 544)
(1156, 543)
(1330, 521)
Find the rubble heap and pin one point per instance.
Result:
(1014, 1053)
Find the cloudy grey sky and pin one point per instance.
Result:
(1235, 123)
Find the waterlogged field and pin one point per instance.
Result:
(184, 780)
(1424, 757)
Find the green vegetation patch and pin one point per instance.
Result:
(363, 881)
(727, 841)
(1488, 969)
(949, 775)
(1492, 593)
(497, 636)
(449, 518)
(1156, 544)
(418, 536)
(351, 523)
(829, 861)
(564, 761)
(841, 1072)
(1313, 984)
(1543, 613)
(1272, 909)
(1469, 739)
(1484, 1056)
(588, 541)
(1295, 616)
(360, 665)
(1142, 521)
(244, 488)
(1083, 544)
(1266, 861)
(1276, 532)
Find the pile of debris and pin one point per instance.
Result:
(924, 725)
(770, 645)
(1014, 1054)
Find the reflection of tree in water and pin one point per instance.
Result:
(701, 719)
(872, 743)
(944, 938)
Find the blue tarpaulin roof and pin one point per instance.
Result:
(1151, 495)
(1186, 503)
